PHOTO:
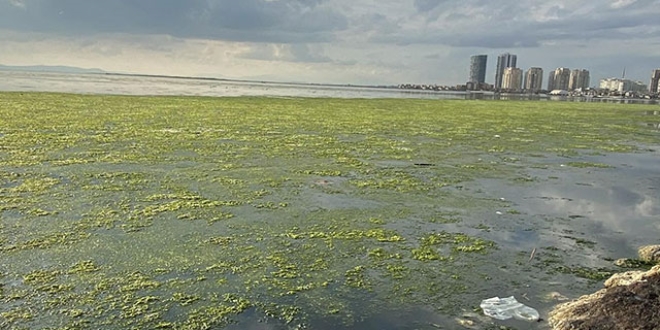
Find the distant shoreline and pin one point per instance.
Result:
(93, 71)
(122, 84)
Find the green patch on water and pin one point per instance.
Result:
(186, 213)
(588, 165)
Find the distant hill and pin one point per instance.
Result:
(50, 68)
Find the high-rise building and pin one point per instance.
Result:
(654, 86)
(478, 69)
(512, 79)
(584, 79)
(579, 79)
(533, 80)
(551, 81)
(560, 79)
(504, 61)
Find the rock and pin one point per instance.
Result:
(626, 278)
(630, 301)
(649, 253)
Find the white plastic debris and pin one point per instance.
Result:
(506, 308)
(498, 212)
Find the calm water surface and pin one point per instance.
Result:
(151, 85)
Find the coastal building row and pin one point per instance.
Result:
(565, 79)
(508, 77)
(624, 85)
(561, 79)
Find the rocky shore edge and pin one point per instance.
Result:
(630, 300)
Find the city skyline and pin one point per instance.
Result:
(572, 79)
(331, 41)
(560, 79)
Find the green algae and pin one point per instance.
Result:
(86, 266)
(184, 213)
(18, 314)
(634, 264)
(588, 165)
(355, 278)
(597, 274)
(40, 277)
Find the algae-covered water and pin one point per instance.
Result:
(260, 213)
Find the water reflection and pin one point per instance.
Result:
(655, 122)
(616, 208)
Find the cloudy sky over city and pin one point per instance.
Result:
(335, 41)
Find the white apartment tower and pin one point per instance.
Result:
(560, 79)
(533, 80)
(579, 79)
(512, 79)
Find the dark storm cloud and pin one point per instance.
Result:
(78, 16)
(507, 24)
(245, 20)
(468, 23)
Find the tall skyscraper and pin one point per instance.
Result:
(579, 79)
(504, 61)
(584, 79)
(551, 81)
(654, 86)
(512, 79)
(478, 68)
(533, 80)
(559, 79)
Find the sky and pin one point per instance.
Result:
(382, 42)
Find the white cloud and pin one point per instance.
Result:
(646, 208)
(18, 3)
(385, 41)
(622, 3)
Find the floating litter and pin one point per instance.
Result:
(506, 308)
